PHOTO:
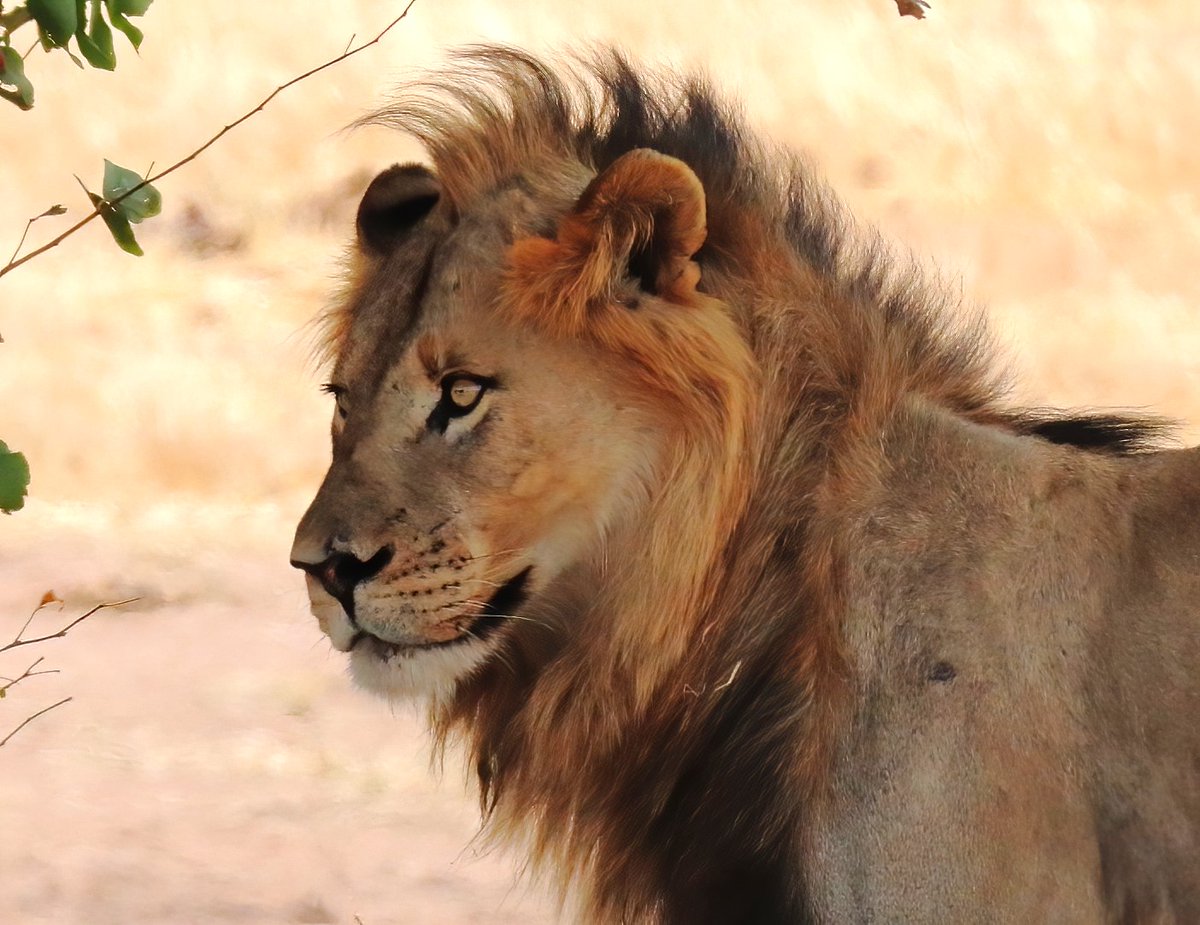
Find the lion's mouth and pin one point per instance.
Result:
(496, 613)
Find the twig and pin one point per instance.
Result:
(29, 719)
(22, 241)
(18, 641)
(32, 671)
(27, 673)
(95, 213)
(733, 674)
(53, 210)
(47, 599)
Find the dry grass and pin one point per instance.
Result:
(1042, 153)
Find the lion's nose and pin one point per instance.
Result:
(340, 572)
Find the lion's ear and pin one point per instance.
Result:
(393, 205)
(642, 217)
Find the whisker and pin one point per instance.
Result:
(499, 654)
(458, 605)
(492, 555)
(507, 616)
(513, 616)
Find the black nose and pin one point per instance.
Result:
(342, 571)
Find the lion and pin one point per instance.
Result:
(708, 529)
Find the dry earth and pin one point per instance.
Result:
(215, 765)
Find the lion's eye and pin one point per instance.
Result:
(461, 395)
(339, 396)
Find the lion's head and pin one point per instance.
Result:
(499, 409)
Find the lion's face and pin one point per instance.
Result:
(475, 458)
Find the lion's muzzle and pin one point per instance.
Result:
(340, 572)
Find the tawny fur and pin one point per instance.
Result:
(715, 711)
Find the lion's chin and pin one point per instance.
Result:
(417, 673)
(431, 670)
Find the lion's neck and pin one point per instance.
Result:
(697, 629)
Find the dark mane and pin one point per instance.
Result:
(1100, 432)
(499, 114)
(499, 110)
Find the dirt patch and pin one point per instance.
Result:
(215, 764)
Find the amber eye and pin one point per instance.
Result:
(463, 394)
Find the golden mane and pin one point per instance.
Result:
(496, 114)
(669, 739)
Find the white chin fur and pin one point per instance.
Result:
(420, 673)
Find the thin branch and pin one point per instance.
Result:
(47, 599)
(29, 719)
(27, 673)
(53, 210)
(95, 213)
(33, 671)
(18, 641)
(21, 243)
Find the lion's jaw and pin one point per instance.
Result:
(425, 620)
(399, 663)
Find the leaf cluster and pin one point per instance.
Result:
(127, 200)
(126, 197)
(89, 23)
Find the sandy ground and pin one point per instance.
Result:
(215, 764)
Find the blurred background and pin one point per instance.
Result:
(215, 765)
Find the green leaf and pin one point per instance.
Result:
(130, 31)
(14, 479)
(118, 226)
(132, 7)
(12, 74)
(115, 221)
(56, 20)
(95, 38)
(118, 180)
(145, 203)
(121, 230)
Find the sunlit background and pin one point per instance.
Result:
(215, 765)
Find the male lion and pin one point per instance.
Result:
(716, 542)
